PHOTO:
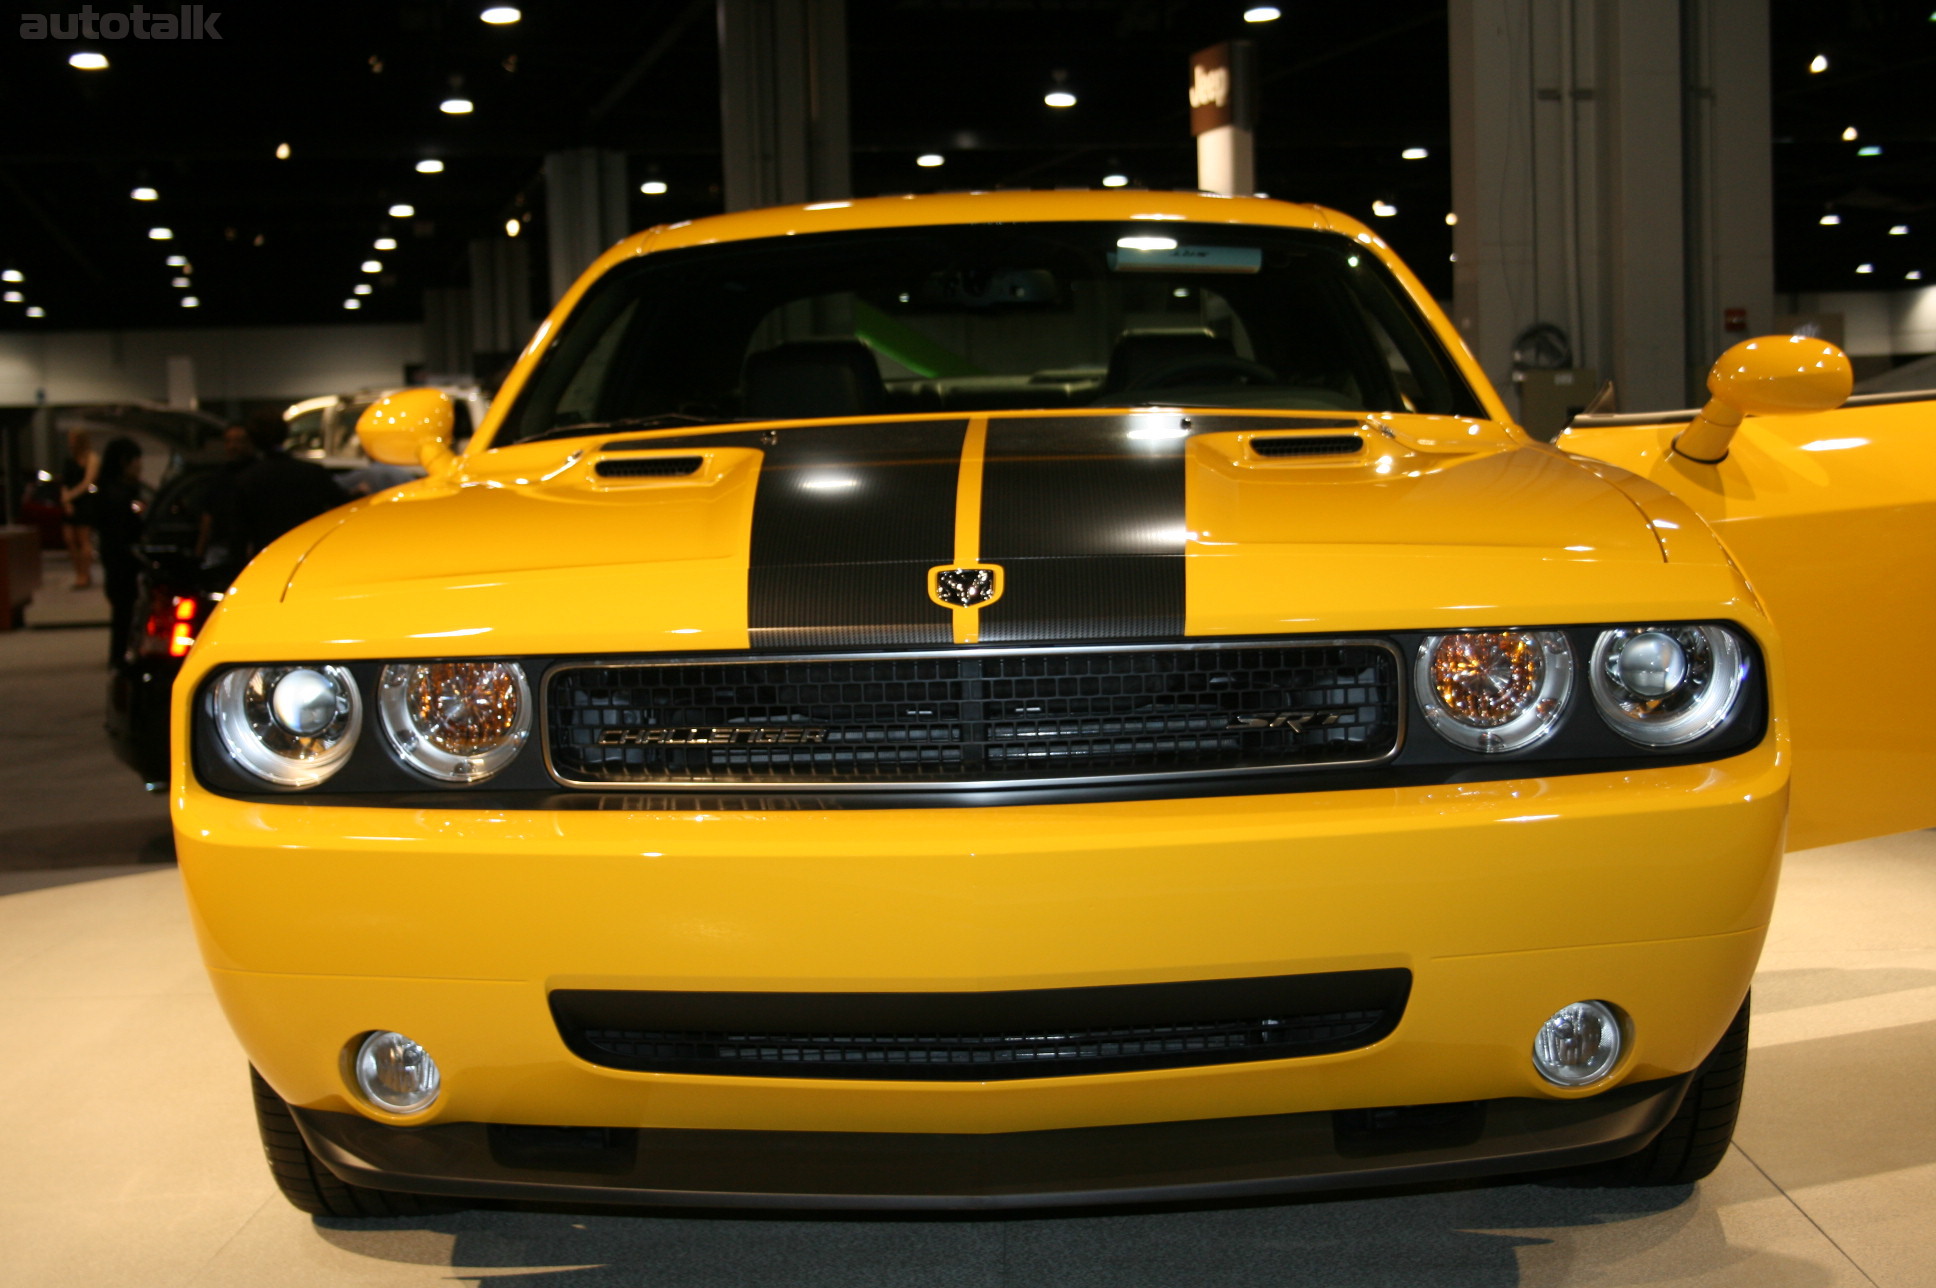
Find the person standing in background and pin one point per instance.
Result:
(275, 492)
(79, 473)
(118, 513)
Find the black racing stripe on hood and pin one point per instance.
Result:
(1088, 524)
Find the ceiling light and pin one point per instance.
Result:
(1900, 230)
(13, 297)
(12, 275)
(178, 261)
(500, 15)
(190, 302)
(144, 194)
(282, 151)
(403, 210)
(430, 166)
(1451, 218)
(384, 243)
(35, 311)
(455, 107)
(1865, 268)
(1913, 275)
(373, 266)
(511, 227)
(1263, 13)
(88, 61)
(1849, 135)
(1146, 243)
(1414, 154)
(1870, 151)
(929, 160)
(179, 283)
(161, 234)
(1819, 63)
(1829, 221)
(1383, 209)
(1115, 181)
(352, 304)
(653, 187)
(1059, 98)
(361, 288)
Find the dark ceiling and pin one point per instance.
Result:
(353, 89)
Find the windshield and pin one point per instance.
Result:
(991, 317)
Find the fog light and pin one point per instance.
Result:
(1579, 1045)
(396, 1074)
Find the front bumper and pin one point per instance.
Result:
(1217, 1158)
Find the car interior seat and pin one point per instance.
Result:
(810, 378)
(1139, 353)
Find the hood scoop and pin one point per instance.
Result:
(1283, 445)
(657, 467)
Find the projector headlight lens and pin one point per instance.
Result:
(396, 1074)
(293, 726)
(1661, 686)
(1494, 690)
(459, 722)
(1579, 1045)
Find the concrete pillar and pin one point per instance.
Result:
(1591, 199)
(500, 304)
(447, 331)
(783, 101)
(585, 210)
(1223, 116)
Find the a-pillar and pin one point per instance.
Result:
(783, 101)
(1610, 175)
(585, 210)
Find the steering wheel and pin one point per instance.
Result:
(1190, 369)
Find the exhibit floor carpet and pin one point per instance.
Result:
(128, 1154)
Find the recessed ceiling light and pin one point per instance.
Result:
(282, 151)
(1115, 181)
(179, 283)
(1414, 154)
(1849, 134)
(1829, 221)
(1383, 209)
(929, 160)
(35, 311)
(403, 210)
(430, 165)
(500, 15)
(1900, 230)
(161, 234)
(177, 261)
(352, 304)
(88, 61)
(1059, 98)
(455, 107)
(1819, 63)
(361, 288)
(511, 227)
(653, 187)
(1263, 13)
(145, 194)
(1865, 268)
(1913, 275)
(373, 266)
(13, 297)
(13, 275)
(384, 243)
(1451, 218)
(190, 302)
(1870, 151)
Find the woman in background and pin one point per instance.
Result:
(118, 513)
(79, 474)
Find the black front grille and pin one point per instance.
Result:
(1010, 718)
(1042, 1033)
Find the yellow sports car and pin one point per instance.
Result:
(1038, 698)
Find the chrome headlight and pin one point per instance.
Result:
(459, 722)
(292, 726)
(1494, 690)
(1665, 685)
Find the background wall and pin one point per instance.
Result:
(230, 364)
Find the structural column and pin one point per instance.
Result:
(500, 304)
(783, 101)
(585, 210)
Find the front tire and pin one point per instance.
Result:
(308, 1185)
(1696, 1138)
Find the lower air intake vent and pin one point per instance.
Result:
(1309, 445)
(975, 1037)
(650, 467)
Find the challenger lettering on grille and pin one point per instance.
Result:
(709, 736)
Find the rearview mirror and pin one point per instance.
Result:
(1771, 375)
(409, 427)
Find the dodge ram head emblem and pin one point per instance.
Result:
(965, 587)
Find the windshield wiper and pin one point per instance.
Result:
(663, 420)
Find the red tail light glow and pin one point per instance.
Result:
(170, 628)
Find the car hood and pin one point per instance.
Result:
(1091, 526)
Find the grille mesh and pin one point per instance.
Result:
(1006, 718)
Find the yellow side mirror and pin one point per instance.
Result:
(409, 427)
(1771, 375)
